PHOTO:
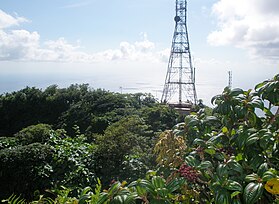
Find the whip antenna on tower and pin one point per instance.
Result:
(179, 89)
(230, 79)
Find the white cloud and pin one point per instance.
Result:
(145, 46)
(249, 24)
(22, 45)
(140, 50)
(164, 55)
(17, 44)
(7, 20)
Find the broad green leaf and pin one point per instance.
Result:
(262, 169)
(114, 188)
(179, 132)
(235, 194)
(266, 140)
(222, 197)
(252, 139)
(222, 170)
(148, 186)
(215, 139)
(179, 126)
(251, 177)
(205, 165)
(252, 118)
(191, 161)
(175, 184)
(211, 119)
(233, 186)
(163, 192)
(268, 175)
(241, 138)
(103, 199)
(213, 100)
(85, 190)
(198, 141)
(219, 156)
(264, 143)
(252, 192)
(158, 182)
(235, 166)
(256, 161)
(236, 92)
(259, 85)
(193, 122)
(257, 103)
(210, 151)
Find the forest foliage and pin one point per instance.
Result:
(141, 151)
(72, 136)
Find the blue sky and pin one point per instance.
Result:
(125, 43)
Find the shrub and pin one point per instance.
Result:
(23, 169)
(35, 133)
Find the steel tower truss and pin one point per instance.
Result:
(179, 85)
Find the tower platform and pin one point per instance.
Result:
(182, 108)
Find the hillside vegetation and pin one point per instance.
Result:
(70, 137)
(69, 145)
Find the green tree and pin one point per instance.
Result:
(73, 161)
(24, 169)
(122, 150)
(31, 106)
(159, 117)
(39, 133)
(20, 109)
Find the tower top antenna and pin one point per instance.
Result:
(230, 79)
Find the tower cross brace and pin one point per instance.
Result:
(179, 85)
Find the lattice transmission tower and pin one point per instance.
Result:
(179, 85)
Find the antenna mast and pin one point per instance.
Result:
(230, 79)
(179, 85)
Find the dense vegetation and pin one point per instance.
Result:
(70, 137)
(110, 140)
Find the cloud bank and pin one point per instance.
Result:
(249, 24)
(23, 45)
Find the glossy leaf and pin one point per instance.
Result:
(222, 170)
(235, 166)
(252, 139)
(236, 92)
(191, 161)
(233, 186)
(268, 175)
(205, 165)
(175, 184)
(222, 196)
(252, 192)
(262, 169)
(210, 151)
(251, 177)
